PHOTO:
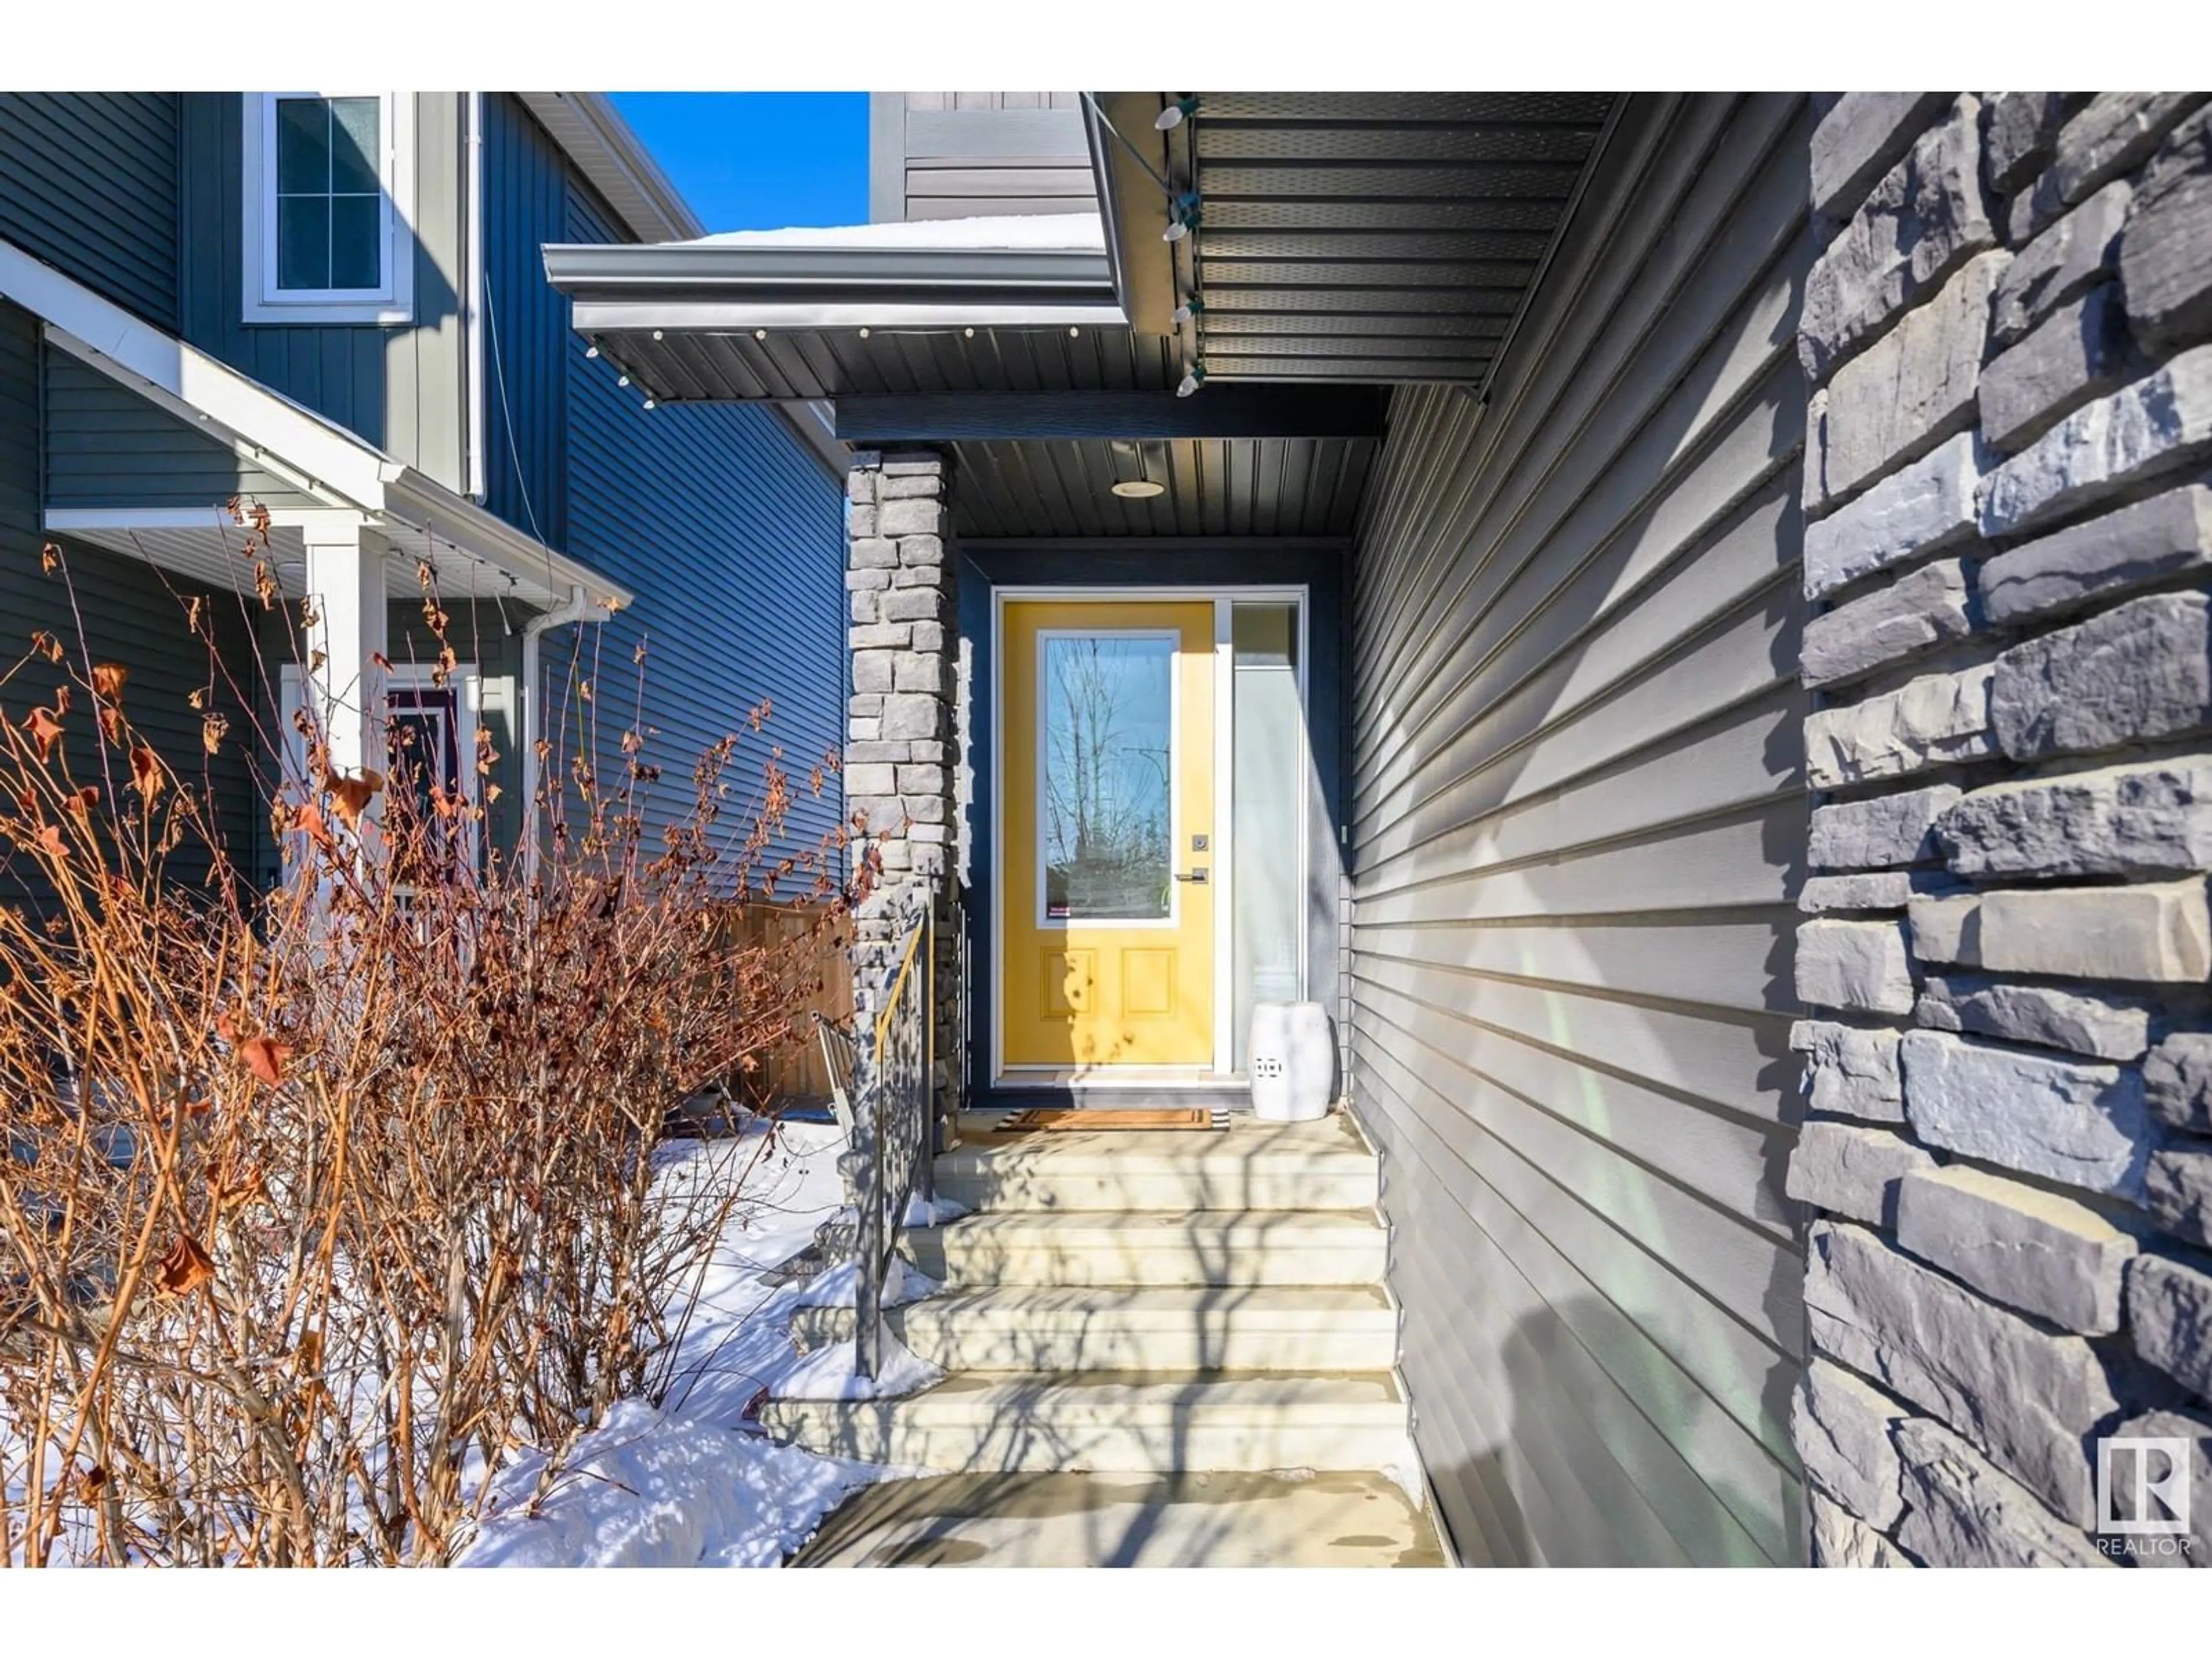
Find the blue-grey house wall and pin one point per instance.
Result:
(107, 447)
(89, 182)
(401, 387)
(526, 184)
(130, 613)
(718, 518)
(1205, 567)
(733, 536)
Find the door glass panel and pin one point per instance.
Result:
(1269, 760)
(1105, 805)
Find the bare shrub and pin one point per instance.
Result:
(318, 1204)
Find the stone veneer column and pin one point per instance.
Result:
(2008, 1076)
(902, 722)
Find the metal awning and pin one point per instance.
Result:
(1353, 241)
(729, 320)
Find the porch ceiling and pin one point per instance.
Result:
(1377, 237)
(1353, 242)
(1215, 487)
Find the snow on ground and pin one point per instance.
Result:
(689, 1483)
(1083, 232)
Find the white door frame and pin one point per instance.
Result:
(1224, 913)
(465, 679)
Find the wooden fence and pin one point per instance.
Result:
(815, 956)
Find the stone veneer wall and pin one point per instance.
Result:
(902, 721)
(2008, 1068)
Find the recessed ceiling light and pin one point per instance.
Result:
(1138, 489)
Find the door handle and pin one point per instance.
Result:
(1197, 873)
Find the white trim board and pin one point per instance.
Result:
(325, 461)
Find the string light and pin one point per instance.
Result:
(1189, 309)
(591, 352)
(1185, 214)
(648, 403)
(1175, 114)
(622, 380)
(760, 334)
(864, 334)
(1193, 378)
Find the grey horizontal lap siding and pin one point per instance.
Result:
(401, 388)
(959, 155)
(1579, 813)
(733, 539)
(89, 182)
(132, 614)
(107, 447)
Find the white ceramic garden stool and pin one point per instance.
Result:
(1293, 1061)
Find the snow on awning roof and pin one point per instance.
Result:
(1075, 231)
(1023, 302)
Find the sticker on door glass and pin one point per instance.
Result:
(1107, 803)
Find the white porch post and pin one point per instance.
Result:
(346, 586)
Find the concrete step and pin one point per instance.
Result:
(1154, 1247)
(980, 1423)
(1157, 1328)
(1250, 1169)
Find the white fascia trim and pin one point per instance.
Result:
(725, 317)
(607, 151)
(186, 381)
(424, 504)
(343, 470)
(80, 520)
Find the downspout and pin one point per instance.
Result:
(575, 609)
(472, 345)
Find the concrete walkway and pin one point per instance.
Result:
(1186, 1520)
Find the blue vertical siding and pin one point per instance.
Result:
(338, 372)
(399, 386)
(733, 539)
(527, 344)
(89, 182)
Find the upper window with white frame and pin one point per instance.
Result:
(329, 207)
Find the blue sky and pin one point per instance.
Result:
(759, 161)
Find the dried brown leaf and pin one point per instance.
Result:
(351, 795)
(46, 730)
(264, 1057)
(184, 1269)
(147, 775)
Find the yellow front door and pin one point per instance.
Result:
(1107, 875)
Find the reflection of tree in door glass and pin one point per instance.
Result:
(1108, 844)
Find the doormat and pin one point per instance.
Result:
(1051, 1119)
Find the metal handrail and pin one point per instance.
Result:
(895, 1081)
